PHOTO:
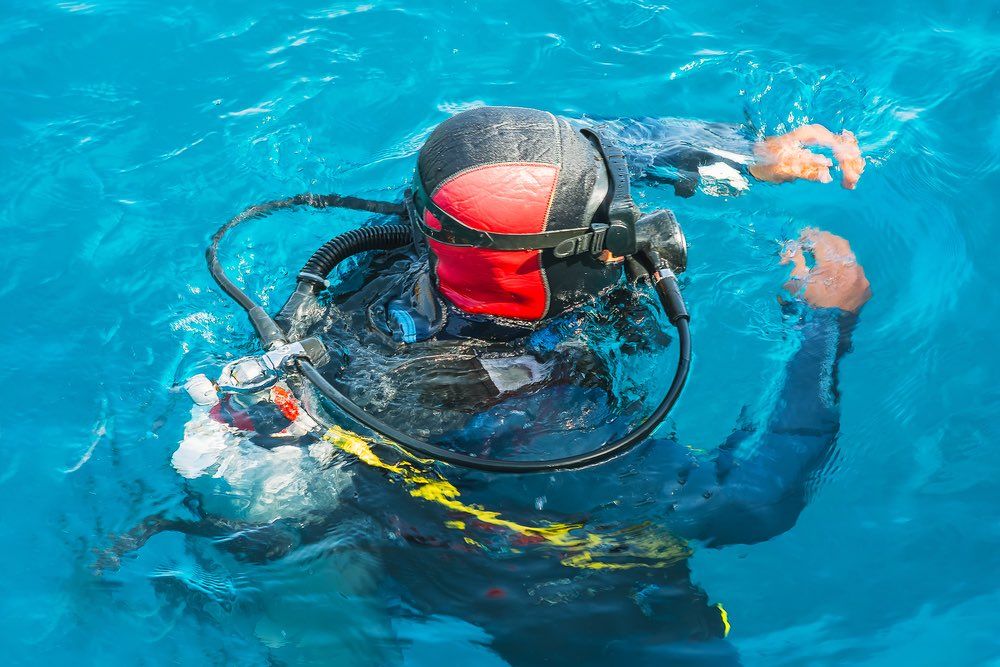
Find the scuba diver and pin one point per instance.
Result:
(512, 321)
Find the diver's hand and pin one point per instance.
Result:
(835, 281)
(784, 158)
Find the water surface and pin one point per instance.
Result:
(132, 129)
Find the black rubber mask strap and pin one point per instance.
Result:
(454, 232)
(618, 209)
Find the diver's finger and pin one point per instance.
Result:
(823, 174)
(818, 172)
(820, 160)
(789, 248)
(813, 167)
(807, 237)
(848, 137)
(851, 170)
(813, 135)
(798, 260)
(848, 156)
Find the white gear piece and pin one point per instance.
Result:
(261, 484)
(204, 441)
(202, 390)
(512, 373)
(720, 179)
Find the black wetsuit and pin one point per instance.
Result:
(502, 388)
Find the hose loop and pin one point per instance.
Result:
(386, 237)
(336, 250)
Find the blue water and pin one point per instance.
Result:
(130, 130)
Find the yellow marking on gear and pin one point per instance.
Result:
(725, 620)
(585, 560)
(653, 551)
(662, 551)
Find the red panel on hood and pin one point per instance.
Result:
(512, 198)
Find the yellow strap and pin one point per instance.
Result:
(653, 551)
(724, 615)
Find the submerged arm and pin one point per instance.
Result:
(750, 496)
(722, 159)
(757, 485)
(685, 153)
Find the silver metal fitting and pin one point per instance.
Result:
(246, 376)
(250, 375)
(665, 272)
(281, 356)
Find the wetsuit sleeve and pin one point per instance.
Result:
(758, 483)
(687, 154)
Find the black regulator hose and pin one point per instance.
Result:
(312, 277)
(312, 280)
(270, 333)
(336, 250)
(665, 285)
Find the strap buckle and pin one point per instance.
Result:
(592, 241)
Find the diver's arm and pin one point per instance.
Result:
(757, 485)
(722, 159)
(687, 154)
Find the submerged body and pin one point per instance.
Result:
(636, 514)
(512, 554)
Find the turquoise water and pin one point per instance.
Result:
(132, 129)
